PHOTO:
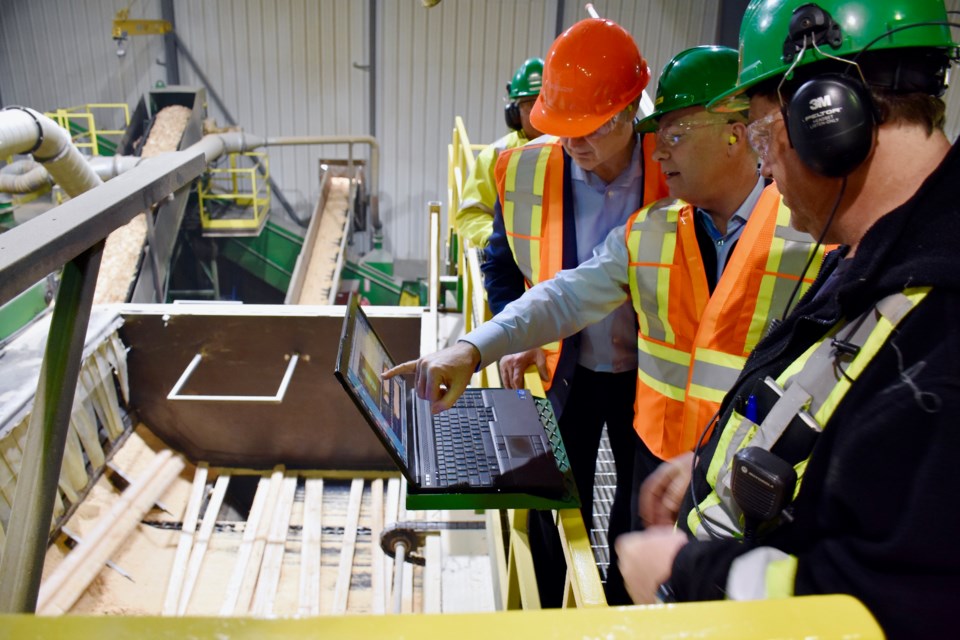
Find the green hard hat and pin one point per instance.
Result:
(692, 77)
(767, 49)
(527, 79)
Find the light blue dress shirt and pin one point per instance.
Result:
(723, 242)
(571, 301)
(609, 345)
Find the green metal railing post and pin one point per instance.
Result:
(36, 491)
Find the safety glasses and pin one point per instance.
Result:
(670, 136)
(604, 129)
(758, 133)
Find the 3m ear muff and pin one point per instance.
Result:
(830, 122)
(511, 114)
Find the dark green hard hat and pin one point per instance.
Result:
(691, 78)
(767, 49)
(526, 80)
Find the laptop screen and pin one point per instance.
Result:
(363, 358)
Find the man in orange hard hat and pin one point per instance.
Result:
(558, 197)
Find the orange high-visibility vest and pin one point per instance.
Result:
(691, 346)
(530, 188)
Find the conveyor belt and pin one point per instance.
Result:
(318, 282)
(118, 268)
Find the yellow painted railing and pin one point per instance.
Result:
(244, 190)
(822, 617)
(82, 123)
(518, 582)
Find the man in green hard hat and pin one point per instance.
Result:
(832, 468)
(706, 271)
(474, 218)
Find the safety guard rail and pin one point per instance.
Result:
(518, 585)
(82, 124)
(244, 191)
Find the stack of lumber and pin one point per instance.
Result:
(237, 543)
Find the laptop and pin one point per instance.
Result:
(490, 441)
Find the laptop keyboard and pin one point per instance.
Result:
(465, 453)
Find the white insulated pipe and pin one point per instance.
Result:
(111, 166)
(23, 176)
(215, 145)
(26, 131)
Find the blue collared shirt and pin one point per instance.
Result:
(723, 242)
(610, 345)
(571, 301)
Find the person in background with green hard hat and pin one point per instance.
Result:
(474, 218)
(833, 465)
(706, 271)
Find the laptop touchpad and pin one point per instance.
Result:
(519, 447)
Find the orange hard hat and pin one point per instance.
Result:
(592, 72)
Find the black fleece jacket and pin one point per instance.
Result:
(876, 515)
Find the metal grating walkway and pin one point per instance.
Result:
(603, 488)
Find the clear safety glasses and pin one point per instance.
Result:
(758, 133)
(670, 136)
(603, 129)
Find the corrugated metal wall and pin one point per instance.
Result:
(60, 54)
(301, 67)
(456, 58)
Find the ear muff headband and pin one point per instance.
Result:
(511, 114)
(830, 119)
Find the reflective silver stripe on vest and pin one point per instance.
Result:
(714, 376)
(524, 200)
(663, 370)
(810, 387)
(654, 229)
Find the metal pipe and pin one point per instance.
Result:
(400, 554)
(374, 192)
(24, 130)
(26, 178)
(29, 176)
(74, 239)
(25, 549)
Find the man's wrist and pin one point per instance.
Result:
(478, 357)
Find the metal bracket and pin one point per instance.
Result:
(276, 398)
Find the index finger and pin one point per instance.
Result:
(400, 370)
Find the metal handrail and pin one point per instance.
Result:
(583, 586)
(71, 236)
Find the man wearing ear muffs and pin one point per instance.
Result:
(832, 467)
(474, 218)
